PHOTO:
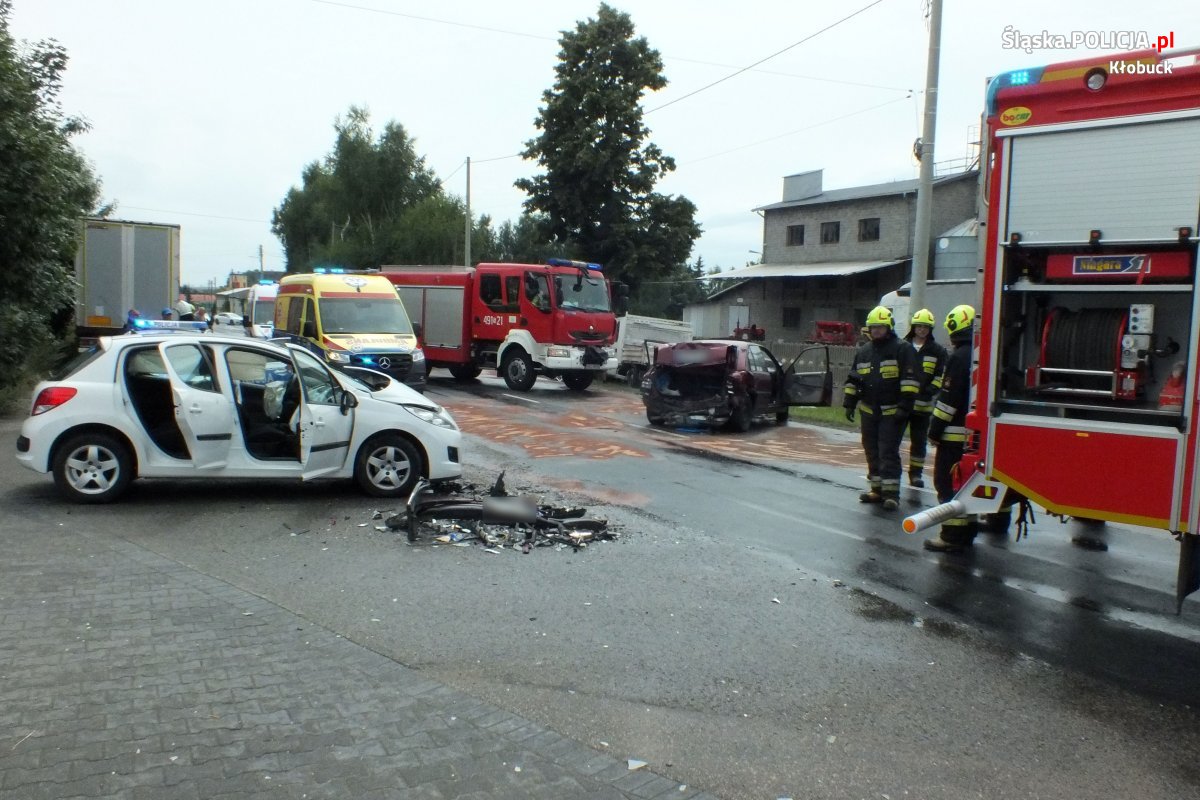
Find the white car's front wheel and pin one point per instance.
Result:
(92, 468)
(388, 465)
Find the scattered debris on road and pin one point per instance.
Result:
(457, 515)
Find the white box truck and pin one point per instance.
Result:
(637, 339)
(122, 265)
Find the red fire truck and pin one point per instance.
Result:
(554, 319)
(1085, 383)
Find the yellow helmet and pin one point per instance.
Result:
(923, 317)
(960, 318)
(880, 315)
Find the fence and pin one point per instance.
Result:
(841, 356)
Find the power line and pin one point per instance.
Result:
(767, 58)
(438, 21)
(543, 38)
(195, 214)
(798, 130)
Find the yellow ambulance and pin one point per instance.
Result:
(351, 318)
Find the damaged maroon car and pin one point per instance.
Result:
(717, 382)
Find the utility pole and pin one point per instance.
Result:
(467, 243)
(921, 236)
(260, 261)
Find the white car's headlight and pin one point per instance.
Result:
(418, 355)
(434, 416)
(337, 357)
(558, 352)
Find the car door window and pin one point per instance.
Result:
(765, 361)
(320, 387)
(193, 366)
(295, 309)
(754, 360)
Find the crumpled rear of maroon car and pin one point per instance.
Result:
(689, 384)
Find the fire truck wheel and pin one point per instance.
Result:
(465, 372)
(577, 381)
(517, 371)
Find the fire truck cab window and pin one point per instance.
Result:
(490, 291)
(537, 290)
(512, 286)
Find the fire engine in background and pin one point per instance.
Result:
(1085, 384)
(554, 319)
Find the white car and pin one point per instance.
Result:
(185, 405)
(228, 318)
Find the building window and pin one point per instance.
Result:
(791, 317)
(831, 232)
(868, 229)
(795, 235)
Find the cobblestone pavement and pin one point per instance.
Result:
(124, 674)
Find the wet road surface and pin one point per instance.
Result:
(755, 632)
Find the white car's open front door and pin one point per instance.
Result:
(326, 423)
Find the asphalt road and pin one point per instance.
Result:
(1030, 669)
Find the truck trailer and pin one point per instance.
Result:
(122, 265)
(1087, 350)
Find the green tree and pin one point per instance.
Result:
(596, 193)
(45, 187)
(372, 201)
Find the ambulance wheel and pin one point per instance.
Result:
(387, 465)
(578, 381)
(465, 372)
(517, 371)
(92, 468)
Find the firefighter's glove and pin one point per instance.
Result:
(850, 414)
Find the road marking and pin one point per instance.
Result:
(526, 399)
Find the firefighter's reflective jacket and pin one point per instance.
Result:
(931, 364)
(950, 410)
(883, 377)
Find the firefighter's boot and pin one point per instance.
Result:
(915, 479)
(955, 536)
(891, 494)
(997, 523)
(874, 494)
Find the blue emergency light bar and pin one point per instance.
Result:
(168, 326)
(329, 270)
(266, 282)
(566, 262)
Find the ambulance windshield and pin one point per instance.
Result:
(363, 315)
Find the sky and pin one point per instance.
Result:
(205, 114)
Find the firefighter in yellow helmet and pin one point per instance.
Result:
(931, 361)
(882, 386)
(948, 428)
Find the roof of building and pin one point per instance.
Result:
(827, 269)
(968, 227)
(863, 192)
